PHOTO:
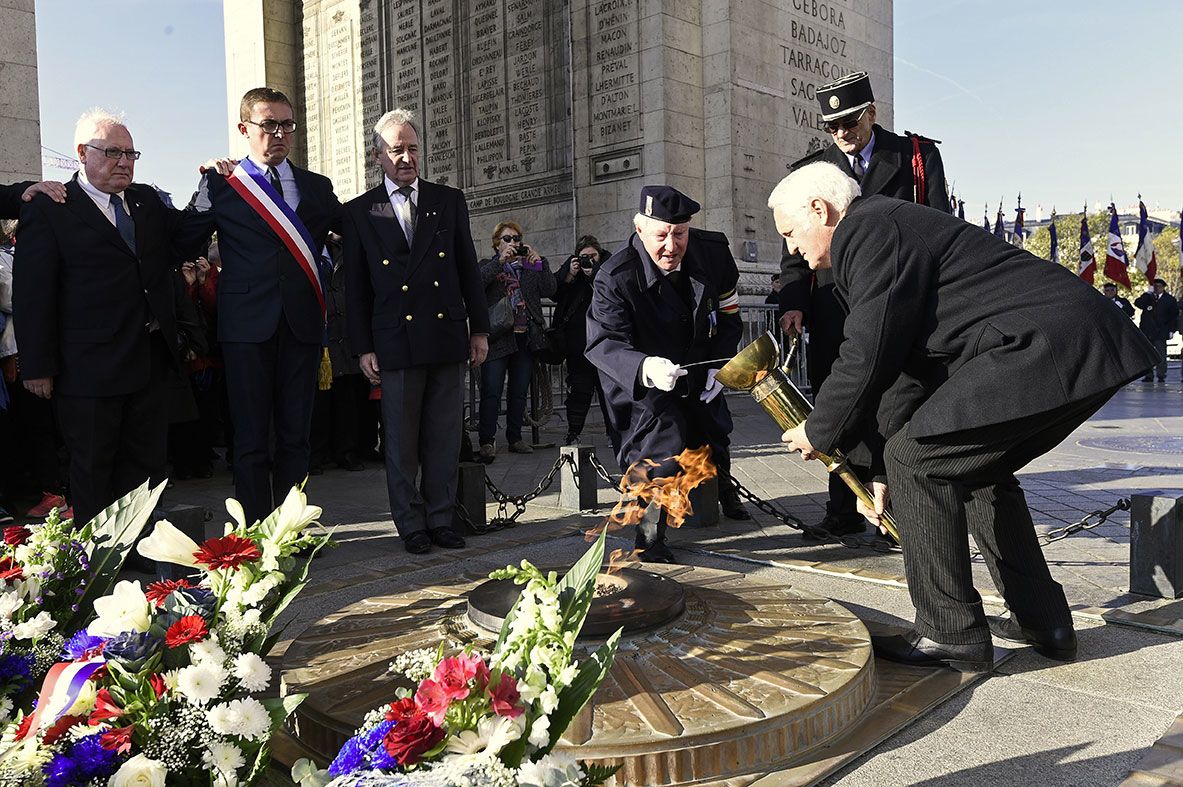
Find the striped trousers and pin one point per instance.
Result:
(945, 487)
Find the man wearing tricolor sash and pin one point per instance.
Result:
(662, 306)
(272, 219)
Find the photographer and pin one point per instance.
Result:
(516, 279)
(573, 296)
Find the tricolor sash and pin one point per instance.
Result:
(63, 683)
(250, 183)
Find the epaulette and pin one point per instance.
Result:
(809, 159)
(710, 236)
(921, 138)
(624, 257)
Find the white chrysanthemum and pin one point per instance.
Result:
(27, 756)
(252, 672)
(34, 628)
(10, 602)
(224, 757)
(553, 770)
(208, 651)
(84, 704)
(246, 718)
(540, 731)
(201, 683)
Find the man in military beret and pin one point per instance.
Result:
(665, 301)
(908, 168)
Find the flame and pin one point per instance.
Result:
(671, 493)
(620, 560)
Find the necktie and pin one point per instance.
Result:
(858, 168)
(273, 176)
(407, 209)
(124, 222)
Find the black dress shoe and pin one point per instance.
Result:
(351, 463)
(657, 553)
(836, 526)
(1058, 643)
(733, 509)
(915, 650)
(417, 543)
(446, 537)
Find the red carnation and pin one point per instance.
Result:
(227, 552)
(401, 710)
(104, 708)
(158, 685)
(407, 740)
(9, 570)
(15, 536)
(117, 740)
(191, 628)
(158, 592)
(59, 728)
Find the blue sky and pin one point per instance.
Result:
(1065, 100)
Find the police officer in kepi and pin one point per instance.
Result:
(908, 168)
(665, 301)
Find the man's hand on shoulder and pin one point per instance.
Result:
(223, 166)
(51, 188)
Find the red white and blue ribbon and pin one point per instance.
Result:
(250, 183)
(60, 690)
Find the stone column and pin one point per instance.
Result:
(20, 117)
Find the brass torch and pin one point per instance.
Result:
(754, 369)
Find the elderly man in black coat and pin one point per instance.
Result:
(973, 357)
(1160, 318)
(666, 299)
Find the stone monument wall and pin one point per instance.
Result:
(20, 114)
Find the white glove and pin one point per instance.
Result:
(660, 373)
(713, 387)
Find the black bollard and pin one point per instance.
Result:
(578, 482)
(1156, 546)
(470, 493)
(704, 502)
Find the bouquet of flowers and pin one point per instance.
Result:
(488, 719)
(163, 685)
(50, 574)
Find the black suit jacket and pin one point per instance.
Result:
(412, 306)
(82, 299)
(955, 329)
(260, 280)
(1160, 316)
(10, 199)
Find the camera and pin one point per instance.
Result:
(587, 261)
(521, 251)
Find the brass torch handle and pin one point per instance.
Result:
(843, 471)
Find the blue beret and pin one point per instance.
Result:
(666, 203)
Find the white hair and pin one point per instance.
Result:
(395, 117)
(821, 180)
(93, 121)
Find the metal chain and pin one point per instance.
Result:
(602, 472)
(1102, 515)
(505, 519)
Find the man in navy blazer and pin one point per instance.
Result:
(416, 312)
(94, 303)
(270, 317)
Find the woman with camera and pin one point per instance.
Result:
(516, 279)
(573, 297)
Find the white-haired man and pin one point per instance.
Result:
(416, 313)
(972, 357)
(94, 298)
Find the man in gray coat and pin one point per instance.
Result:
(973, 358)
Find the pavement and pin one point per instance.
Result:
(1111, 717)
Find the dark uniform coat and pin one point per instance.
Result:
(955, 329)
(1160, 315)
(636, 313)
(412, 306)
(10, 199)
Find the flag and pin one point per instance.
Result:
(1088, 263)
(1179, 240)
(1051, 229)
(986, 218)
(1117, 265)
(999, 230)
(1017, 237)
(1144, 258)
(961, 210)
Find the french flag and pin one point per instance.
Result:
(1088, 262)
(1144, 257)
(1117, 264)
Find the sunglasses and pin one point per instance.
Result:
(847, 124)
(512, 238)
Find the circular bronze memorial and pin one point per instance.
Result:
(751, 677)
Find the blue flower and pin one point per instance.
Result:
(364, 751)
(200, 599)
(130, 647)
(15, 666)
(77, 646)
(81, 763)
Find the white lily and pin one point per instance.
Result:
(167, 544)
(294, 515)
(125, 609)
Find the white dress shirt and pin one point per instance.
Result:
(864, 154)
(287, 179)
(397, 201)
(101, 198)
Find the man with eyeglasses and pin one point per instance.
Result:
(908, 168)
(272, 219)
(94, 301)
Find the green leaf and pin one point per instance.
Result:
(587, 680)
(279, 708)
(112, 534)
(296, 585)
(578, 587)
(595, 775)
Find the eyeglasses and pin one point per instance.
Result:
(832, 126)
(118, 153)
(274, 126)
(512, 238)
